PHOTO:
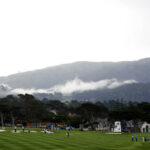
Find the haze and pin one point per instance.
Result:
(36, 34)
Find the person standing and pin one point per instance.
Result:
(45, 130)
(143, 139)
(136, 138)
(15, 129)
(132, 138)
(22, 128)
(67, 134)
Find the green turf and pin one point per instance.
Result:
(77, 141)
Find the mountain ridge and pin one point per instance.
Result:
(86, 72)
(76, 62)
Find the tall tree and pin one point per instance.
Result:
(89, 112)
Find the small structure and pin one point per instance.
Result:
(98, 125)
(145, 127)
(117, 127)
(81, 126)
(103, 125)
(128, 126)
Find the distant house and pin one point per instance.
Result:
(128, 126)
(131, 126)
(103, 125)
(118, 126)
(144, 127)
(98, 125)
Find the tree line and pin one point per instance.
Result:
(27, 108)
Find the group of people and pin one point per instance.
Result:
(15, 129)
(134, 138)
(48, 131)
(144, 139)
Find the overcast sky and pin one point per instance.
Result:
(41, 33)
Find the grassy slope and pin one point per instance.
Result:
(76, 141)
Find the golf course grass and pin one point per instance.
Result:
(86, 140)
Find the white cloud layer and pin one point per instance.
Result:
(76, 85)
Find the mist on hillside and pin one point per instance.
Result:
(75, 85)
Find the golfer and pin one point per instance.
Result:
(132, 138)
(136, 138)
(67, 134)
(15, 129)
(22, 128)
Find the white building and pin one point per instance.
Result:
(145, 127)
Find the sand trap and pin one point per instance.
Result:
(18, 131)
(33, 131)
(113, 133)
(2, 130)
(49, 132)
(30, 131)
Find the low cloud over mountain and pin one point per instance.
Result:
(76, 85)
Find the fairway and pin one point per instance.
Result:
(77, 141)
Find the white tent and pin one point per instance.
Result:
(117, 127)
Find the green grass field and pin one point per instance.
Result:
(78, 140)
